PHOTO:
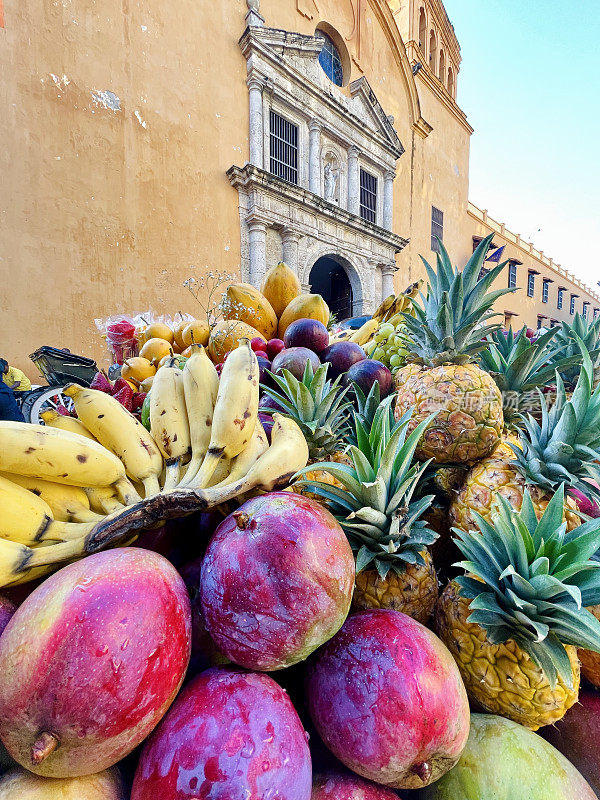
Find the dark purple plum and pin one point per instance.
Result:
(364, 373)
(308, 333)
(230, 735)
(341, 356)
(294, 359)
(267, 423)
(263, 365)
(7, 609)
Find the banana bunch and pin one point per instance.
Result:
(73, 486)
(393, 306)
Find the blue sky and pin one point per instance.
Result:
(530, 86)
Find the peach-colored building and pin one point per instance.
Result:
(145, 143)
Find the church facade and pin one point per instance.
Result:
(149, 143)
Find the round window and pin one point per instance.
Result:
(330, 59)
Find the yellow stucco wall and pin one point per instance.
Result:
(119, 122)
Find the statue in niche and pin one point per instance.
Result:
(331, 174)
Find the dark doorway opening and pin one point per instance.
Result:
(329, 279)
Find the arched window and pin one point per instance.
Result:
(442, 72)
(432, 52)
(451, 81)
(422, 30)
(330, 60)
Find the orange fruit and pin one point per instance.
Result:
(196, 332)
(137, 369)
(158, 330)
(155, 350)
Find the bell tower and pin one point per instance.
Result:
(430, 39)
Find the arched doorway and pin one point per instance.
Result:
(329, 279)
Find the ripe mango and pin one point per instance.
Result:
(306, 306)
(225, 336)
(280, 287)
(246, 304)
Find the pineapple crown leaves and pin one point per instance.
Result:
(376, 507)
(366, 408)
(565, 447)
(566, 344)
(316, 404)
(450, 325)
(529, 580)
(518, 365)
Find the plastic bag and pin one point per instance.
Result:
(120, 334)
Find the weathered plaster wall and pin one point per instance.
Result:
(119, 120)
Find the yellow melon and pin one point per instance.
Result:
(306, 306)
(155, 350)
(246, 304)
(137, 369)
(225, 336)
(280, 287)
(196, 332)
(158, 330)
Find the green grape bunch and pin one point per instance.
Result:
(388, 345)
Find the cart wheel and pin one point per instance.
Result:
(47, 399)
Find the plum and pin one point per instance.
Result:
(277, 581)
(387, 699)
(267, 423)
(308, 333)
(91, 661)
(364, 373)
(231, 735)
(505, 761)
(341, 356)
(294, 359)
(7, 609)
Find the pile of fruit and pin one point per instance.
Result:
(306, 580)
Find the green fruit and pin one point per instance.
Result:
(505, 761)
(145, 412)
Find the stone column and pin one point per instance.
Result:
(314, 157)
(289, 249)
(387, 279)
(255, 87)
(388, 199)
(257, 247)
(353, 181)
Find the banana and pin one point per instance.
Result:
(67, 503)
(201, 385)
(120, 432)
(27, 519)
(59, 456)
(287, 454)
(103, 499)
(236, 411)
(241, 464)
(365, 332)
(169, 420)
(19, 563)
(56, 420)
(383, 308)
(340, 336)
(221, 472)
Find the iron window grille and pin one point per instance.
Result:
(284, 148)
(437, 228)
(559, 298)
(572, 305)
(545, 286)
(512, 276)
(530, 284)
(585, 310)
(368, 196)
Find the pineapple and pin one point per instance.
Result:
(321, 410)
(514, 620)
(373, 501)
(564, 448)
(520, 367)
(446, 336)
(567, 345)
(590, 661)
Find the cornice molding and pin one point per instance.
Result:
(434, 84)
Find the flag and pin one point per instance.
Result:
(496, 254)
